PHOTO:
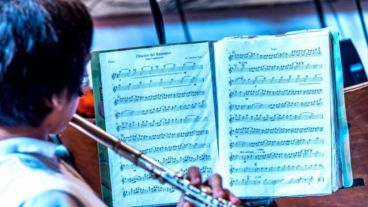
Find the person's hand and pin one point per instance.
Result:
(214, 182)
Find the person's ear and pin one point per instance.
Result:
(57, 102)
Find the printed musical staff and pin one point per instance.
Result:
(146, 177)
(283, 168)
(294, 66)
(170, 160)
(314, 52)
(263, 92)
(277, 130)
(277, 143)
(150, 71)
(153, 137)
(180, 147)
(161, 109)
(273, 118)
(159, 123)
(185, 159)
(186, 80)
(155, 97)
(147, 190)
(289, 181)
(280, 80)
(281, 105)
(275, 114)
(204, 170)
(160, 101)
(137, 178)
(304, 153)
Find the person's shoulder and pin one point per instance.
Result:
(20, 163)
(29, 174)
(53, 198)
(39, 180)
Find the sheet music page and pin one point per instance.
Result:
(159, 100)
(275, 114)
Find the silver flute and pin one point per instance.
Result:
(191, 193)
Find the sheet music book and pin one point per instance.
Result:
(266, 112)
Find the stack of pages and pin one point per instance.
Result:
(265, 112)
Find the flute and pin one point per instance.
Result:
(191, 193)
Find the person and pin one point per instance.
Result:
(44, 47)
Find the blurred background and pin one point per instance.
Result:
(129, 23)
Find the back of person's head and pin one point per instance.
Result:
(43, 49)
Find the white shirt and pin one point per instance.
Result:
(31, 175)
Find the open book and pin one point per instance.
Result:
(266, 112)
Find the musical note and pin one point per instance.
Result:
(161, 83)
(263, 92)
(275, 114)
(170, 160)
(304, 153)
(277, 130)
(308, 180)
(280, 105)
(160, 96)
(151, 71)
(281, 80)
(153, 137)
(321, 180)
(137, 178)
(273, 118)
(314, 52)
(267, 143)
(240, 182)
(180, 147)
(160, 101)
(161, 109)
(204, 170)
(283, 168)
(147, 190)
(159, 123)
(185, 159)
(300, 65)
(234, 182)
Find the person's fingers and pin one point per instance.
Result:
(186, 204)
(183, 203)
(234, 199)
(215, 182)
(194, 176)
(229, 196)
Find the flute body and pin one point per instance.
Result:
(191, 193)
